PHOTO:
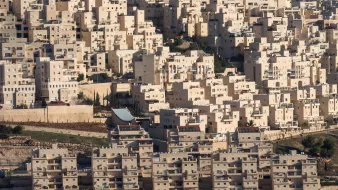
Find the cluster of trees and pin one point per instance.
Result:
(7, 130)
(97, 99)
(319, 147)
(84, 99)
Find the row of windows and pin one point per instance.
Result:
(59, 86)
(18, 89)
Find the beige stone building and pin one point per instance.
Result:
(54, 81)
(221, 118)
(186, 94)
(54, 169)
(294, 171)
(175, 171)
(17, 88)
(114, 168)
(149, 98)
(165, 68)
(173, 118)
(251, 111)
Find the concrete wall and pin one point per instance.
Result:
(51, 114)
(101, 88)
(333, 187)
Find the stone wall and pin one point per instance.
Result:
(278, 134)
(101, 88)
(52, 114)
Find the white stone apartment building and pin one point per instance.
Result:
(114, 168)
(251, 111)
(221, 118)
(54, 169)
(54, 82)
(149, 98)
(16, 88)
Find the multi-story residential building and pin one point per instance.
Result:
(215, 91)
(294, 171)
(239, 87)
(17, 88)
(251, 111)
(179, 170)
(173, 118)
(7, 23)
(166, 68)
(54, 169)
(149, 98)
(186, 94)
(132, 136)
(281, 115)
(188, 139)
(54, 81)
(221, 118)
(233, 170)
(138, 142)
(114, 168)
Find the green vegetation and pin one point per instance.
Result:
(17, 129)
(99, 78)
(64, 138)
(80, 77)
(22, 106)
(250, 124)
(84, 100)
(178, 41)
(316, 146)
(322, 145)
(80, 96)
(97, 100)
(43, 103)
(219, 63)
(8, 130)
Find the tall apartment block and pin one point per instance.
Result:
(16, 88)
(294, 171)
(54, 169)
(114, 168)
(53, 82)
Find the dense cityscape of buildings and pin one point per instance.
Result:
(177, 122)
(186, 161)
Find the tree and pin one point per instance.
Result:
(178, 41)
(43, 103)
(327, 148)
(80, 96)
(88, 101)
(80, 77)
(17, 129)
(309, 141)
(97, 100)
(250, 124)
(315, 150)
(22, 106)
(5, 129)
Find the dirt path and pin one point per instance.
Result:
(89, 127)
(69, 131)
